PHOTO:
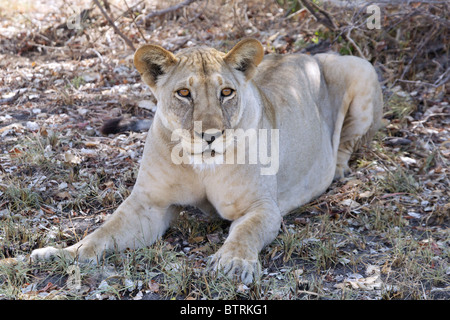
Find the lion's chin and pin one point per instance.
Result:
(208, 153)
(206, 160)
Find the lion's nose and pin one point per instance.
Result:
(209, 135)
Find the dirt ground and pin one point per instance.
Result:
(380, 233)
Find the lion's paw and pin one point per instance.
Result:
(341, 172)
(77, 252)
(49, 253)
(235, 267)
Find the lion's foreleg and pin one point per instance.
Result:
(133, 225)
(248, 235)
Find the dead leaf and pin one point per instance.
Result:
(89, 153)
(109, 184)
(301, 221)
(91, 144)
(373, 282)
(69, 157)
(350, 203)
(153, 286)
(32, 126)
(366, 194)
(196, 239)
(15, 127)
(49, 287)
(15, 151)
(213, 238)
(63, 195)
(91, 76)
(8, 262)
(408, 161)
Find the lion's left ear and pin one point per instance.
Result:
(246, 56)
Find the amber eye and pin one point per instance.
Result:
(226, 92)
(184, 93)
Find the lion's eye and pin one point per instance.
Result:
(184, 93)
(226, 92)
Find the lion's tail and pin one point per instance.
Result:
(118, 125)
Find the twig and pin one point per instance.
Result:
(199, 14)
(111, 22)
(167, 10)
(349, 39)
(441, 80)
(294, 14)
(422, 44)
(134, 20)
(327, 21)
(310, 293)
(422, 83)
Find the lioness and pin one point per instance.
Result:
(321, 109)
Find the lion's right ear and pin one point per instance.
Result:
(152, 61)
(246, 56)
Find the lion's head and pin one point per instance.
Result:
(200, 92)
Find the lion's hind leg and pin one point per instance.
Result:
(360, 124)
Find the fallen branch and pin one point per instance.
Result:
(116, 30)
(327, 20)
(167, 10)
(347, 37)
(421, 45)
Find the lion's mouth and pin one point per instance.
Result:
(206, 149)
(207, 152)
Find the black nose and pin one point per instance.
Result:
(210, 136)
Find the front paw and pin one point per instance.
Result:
(79, 252)
(236, 263)
(49, 253)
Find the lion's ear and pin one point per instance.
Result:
(245, 56)
(152, 61)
